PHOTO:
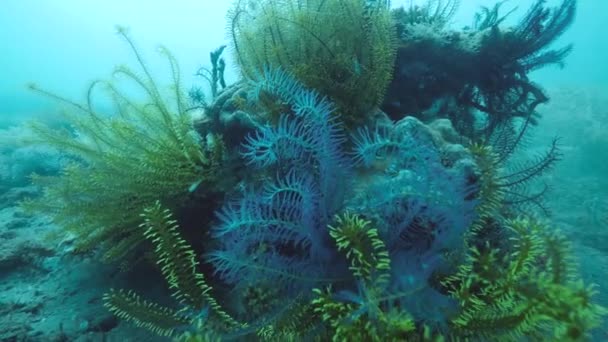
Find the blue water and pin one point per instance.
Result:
(66, 44)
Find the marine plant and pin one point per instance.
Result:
(512, 266)
(342, 49)
(508, 57)
(214, 77)
(275, 238)
(485, 85)
(376, 235)
(121, 163)
(275, 232)
(365, 315)
(422, 209)
(436, 13)
(304, 257)
(514, 277)
(515, 180)
(179, 266)
(485, 89)
(529, 290)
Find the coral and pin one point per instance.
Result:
(276, 233)
(490, 191)
(514, 182)
(528, 290)
(200, 336)
(366, 252)
(484, 90)
(400, 231)
(419, 276)
(342, 49)
(122, 163)
(422, 206)
(299, 323)
(485, 84)
(179, 266)
(412, 266)
(229, 115)
(175, 258)
(360, 317)
(130, 307)
(363, 316)
(507, 56)
(436, 13)
(213, 76)
(524, 189)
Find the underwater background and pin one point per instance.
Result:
(183, 206)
